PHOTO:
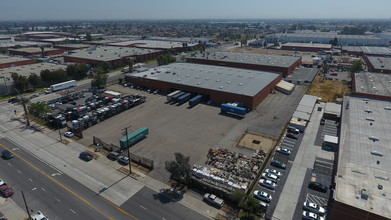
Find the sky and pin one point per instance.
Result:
(192, 9)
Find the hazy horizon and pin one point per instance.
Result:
(24, 10)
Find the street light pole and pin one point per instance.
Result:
(24, 107)
(127, 145)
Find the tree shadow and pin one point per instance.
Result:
(167, 195)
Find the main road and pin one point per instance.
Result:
(60, 197)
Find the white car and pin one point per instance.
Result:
(268, 184)
(284, 151)
(312, 207)
(214, 200)
(273, 171)
(123, 160)
(38, 216)
(1, 182)
(311, 216)
(263, 196)
(270, 176)
(68, 134)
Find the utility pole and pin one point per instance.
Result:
(59, 130)
(24, 107)
(25, 203)
(127, 145)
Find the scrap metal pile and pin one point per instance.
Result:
(230, 170)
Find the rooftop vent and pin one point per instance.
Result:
(221, 87)
(240, 84)
(368, 110)
(373, 138)
(377, 153)
(370, 119)
(387, 108)
(364, 194)
(382, 177)
(357, 171)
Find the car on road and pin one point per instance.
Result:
(314, 208)
(284, 151)
(6, 190)
(263, 196)
(291, 135)
(86, 156)
(273, 171)
(311, 216)
(39, 216)
(68, 134)
(318, 187)
(267, 183)
(123, 160)
(270, 176)
(278, 164)
(34, 96)
(13, 100)
(213, 200)
(6, 154)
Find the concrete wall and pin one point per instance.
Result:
(342, 211)
(16, 63)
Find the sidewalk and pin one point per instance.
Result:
(98, 175)
(11, 210)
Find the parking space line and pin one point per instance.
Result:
(316, 199)
(290, 141)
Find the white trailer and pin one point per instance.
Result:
(169, 96)
(63, 85)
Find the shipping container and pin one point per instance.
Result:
(169, 96)
(195, 100)
(133, 138)
(233, 109)
(184, 98)
(175, 97)
(63, 85)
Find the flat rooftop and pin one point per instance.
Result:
(328, 46)
(27, 70)
(76, 46)
(33, 49)
(7, 59)
(381, 63)
(224, 79)
(376, 50)
(358, 168)
(328, 35)
(158, 44)
(107, 53)
(250, 58)
(373, 83)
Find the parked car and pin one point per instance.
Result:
(113, 155)
(273, 171)
(322, 121)
(311, 216)
(270, 176)
(34, 96)
(291, 135)
(263, 196)
(39, 216)
(68, 134)
(284, 151)
(213, 200)
(267, 183)
(6, 190)
(85, 156)
(293, 130)
(278, 164)
(123, 160)
(13, 100)
(318, 187)
(6, 154)
(314, 208)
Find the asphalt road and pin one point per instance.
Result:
(55, 194)
(149, 204)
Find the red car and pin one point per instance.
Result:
(291, 135)
(6, 190)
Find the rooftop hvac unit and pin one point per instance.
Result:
(364, 194)
(377, 153)
(370, 119)
(373, 138)
(368, 110)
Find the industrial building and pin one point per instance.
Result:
(326, 37)
(303, 112)
(378, 64)
(7, 84)
(217, 84)
(155, 44)
(71, 47)
(113, 55)
(35, 51)
(367, 51)
(263, 62)
(306, 47)
(362, 188)
(375, 85)
(7, 61)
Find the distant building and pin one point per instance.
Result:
(306, 47)
(35, 51)
(71, 47)
(216, 83)
(264, 62)
(367, 51)
(378, 64)
(7, 61)
(156, 45)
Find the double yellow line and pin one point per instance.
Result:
(69, 190)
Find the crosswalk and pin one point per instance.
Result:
(316, 199)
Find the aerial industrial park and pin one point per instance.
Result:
(273, 119)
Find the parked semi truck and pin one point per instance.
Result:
(169, 96)
(63, 85)
(133, 138)
(175, 97)
(184, 98)
(233, 109)
(195, 100)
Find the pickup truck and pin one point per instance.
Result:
(213, 200)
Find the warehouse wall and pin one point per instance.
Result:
(342, 211)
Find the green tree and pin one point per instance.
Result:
(179, 168)
(237, 196)
(131, 64)
(356, 66)
(88, 37)
(3, 50)
(99, 79)
(33, 80)
(38, 108)
(251, 205)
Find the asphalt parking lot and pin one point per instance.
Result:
(330, 127)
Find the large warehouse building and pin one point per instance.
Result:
(217, 84)
(263, 62)
(306, 47)
(155, 44)
(35, 51)
(112, 55)
(362, 181)
(367, 51)
(375, 85)
(378, 64)
(7, 61)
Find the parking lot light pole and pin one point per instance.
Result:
(127, 145)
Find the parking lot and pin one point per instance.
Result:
(192, 131)
(330, 127)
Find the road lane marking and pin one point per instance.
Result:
(19, 171)
(9, 164)
(57, 199)
(56, 174)
(16, 148)
(34, 188)
(64, 187)
(30, 180)
(43, 189)
(73, 211)
(143, 207)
